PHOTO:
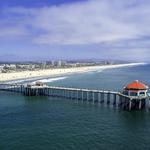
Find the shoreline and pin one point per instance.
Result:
(41, 74)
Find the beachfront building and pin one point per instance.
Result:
(136, 88)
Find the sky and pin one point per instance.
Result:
(75, 29)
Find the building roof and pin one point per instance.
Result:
(136, 85)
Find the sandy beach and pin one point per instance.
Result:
(58, 72)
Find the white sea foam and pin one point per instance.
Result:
(121, 66)
(100, 70)
(51, 79)
(47, 80)
(19, 81)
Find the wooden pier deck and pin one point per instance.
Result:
(90, 95)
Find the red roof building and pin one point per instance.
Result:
(136, 88)
(136, 85)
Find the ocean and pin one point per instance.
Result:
(45, 123)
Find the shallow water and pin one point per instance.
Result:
(40, 123)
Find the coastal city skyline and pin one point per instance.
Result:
(69, 29)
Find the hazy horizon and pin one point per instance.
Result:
(75, 29)
(15, 58)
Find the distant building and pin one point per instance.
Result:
(1, 68)
(10, 67)
(53, 63)
(61, 63)
(43, 65)
(23, 67)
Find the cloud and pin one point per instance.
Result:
(93, 21)
(115, 26)
(85, 23)
(12, 32)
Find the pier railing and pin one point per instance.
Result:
(89, 95)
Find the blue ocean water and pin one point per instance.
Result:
(41, 123)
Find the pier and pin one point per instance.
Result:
(117, 99)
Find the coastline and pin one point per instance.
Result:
(5, 77)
